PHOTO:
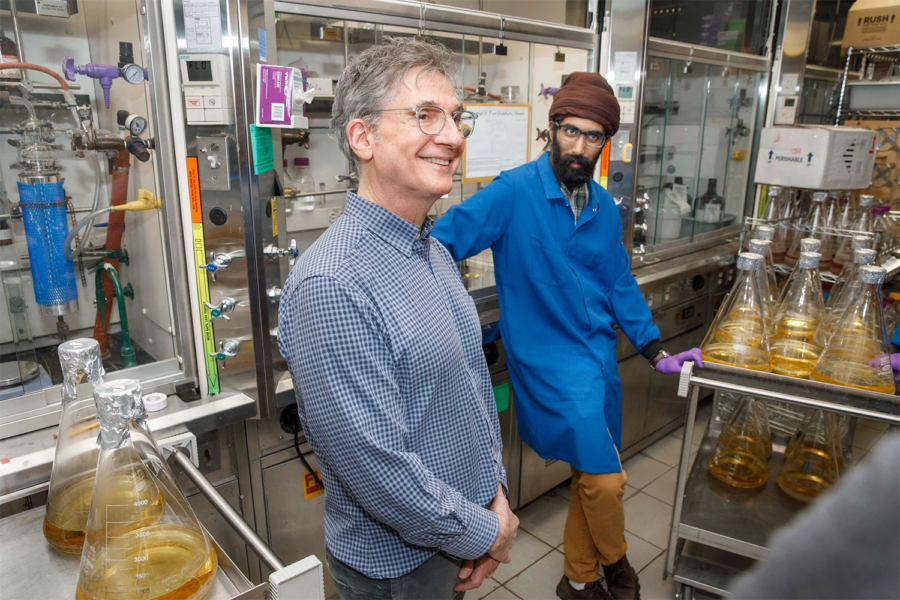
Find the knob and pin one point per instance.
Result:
(274, 333)
(225, 305)
(272, 252)
(213, 161)
(698, 282)
(227, 349)
(221, 260)
(274, 294)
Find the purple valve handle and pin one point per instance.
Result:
(105, 73)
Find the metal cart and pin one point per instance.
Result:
(718, 531)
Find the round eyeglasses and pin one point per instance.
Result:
(431, 119)
(570, 133)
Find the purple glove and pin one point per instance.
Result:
(671, 365)
(876, 363)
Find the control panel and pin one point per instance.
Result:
(207, 90)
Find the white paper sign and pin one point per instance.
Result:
(202, 26)
(499, 142)
(625, 66)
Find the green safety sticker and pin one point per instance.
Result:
(263, 154)
(501, 397)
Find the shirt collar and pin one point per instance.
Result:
(393, 229)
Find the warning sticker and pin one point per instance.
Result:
(311, 489)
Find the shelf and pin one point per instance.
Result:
(736, 520)
(804, 392)
(709, 569)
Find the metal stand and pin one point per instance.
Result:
(710, 517)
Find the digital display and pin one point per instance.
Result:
(789, 102)
(687, 313)
(626, 92)
(199, 70)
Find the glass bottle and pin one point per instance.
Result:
(857, 354)
(738, 333)
(848, 210)
(833, 209)
(814, 227)
(766, 281)
(773, 212)
(139, 517)
(884, 229)
(814, 460)
(863, 223)
(793, 350)
(851, 270)
(303, 184)
(710, 205)
(679, 181)
(75, 460)
(785, 230)
(773, 203)
(6, 234)
(740, 457)
(9, 53)
(806, 245)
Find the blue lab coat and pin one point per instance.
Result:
(561, 289)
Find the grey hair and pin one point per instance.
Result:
(371, 79)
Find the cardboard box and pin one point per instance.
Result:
(873, 23)
(817, 157)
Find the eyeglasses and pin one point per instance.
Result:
(570, 133)
(431, 119)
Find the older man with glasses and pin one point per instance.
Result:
(384, 347)
(563, 283)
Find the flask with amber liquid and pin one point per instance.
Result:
(744, 445)
(857, 354)
(806, 245)
(813, 461)
(793, 350)
(766, 282)
(738, 335)
(843, 293)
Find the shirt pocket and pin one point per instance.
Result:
(548, 265)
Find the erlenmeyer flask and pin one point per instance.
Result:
(814, 227)
(143, 540)
(740, 458)
(784, 229)
(738, 333)
(848, 210)
(833, 209)
(862, 255)
(857, 354)
(766, 281)
(863, 223)
(815, 458)
(75, 461)
(793, 351)
(806, 245)
(884, 229)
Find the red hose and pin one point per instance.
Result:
(114, 230)
(57, 76)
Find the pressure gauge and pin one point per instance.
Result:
(134, 74)
(136, 124)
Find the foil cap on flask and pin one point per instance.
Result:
(870, 274)
(834, 194)
(774, 190)
(760, 246)
(864, 256)
(748, 261)
(819, 196)
(809, 260)
(117, 402)
(863, 241)
(866, 200)
(75, 357)
(765, 232)
(810, 245)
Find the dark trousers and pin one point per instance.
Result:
(432, 580)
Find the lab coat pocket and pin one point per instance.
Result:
(546, 263)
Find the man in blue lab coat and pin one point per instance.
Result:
(563, 282)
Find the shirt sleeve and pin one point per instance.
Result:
(475, 224)
(631, 310)
(353, 414)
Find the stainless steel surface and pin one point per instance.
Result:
(540, 475)
(446, 18)
(24, 551)
(665, 406)
(824, 396)
(709, 569)
(214, 163)
(683, 470)
(31, 455)
(634, 373)
(228, 513)
(705, 54)
(17, 32)
(792, 46)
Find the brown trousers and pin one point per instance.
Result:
(595, 527)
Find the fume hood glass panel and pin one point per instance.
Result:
(818, 101)
(737, 26)
(47, 189)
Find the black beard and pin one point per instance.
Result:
(571, 177)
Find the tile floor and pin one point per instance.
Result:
(537, 558)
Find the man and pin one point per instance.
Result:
(563, 282)
(384, 348)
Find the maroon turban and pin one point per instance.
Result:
(587, 96)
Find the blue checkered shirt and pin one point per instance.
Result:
(384, 348)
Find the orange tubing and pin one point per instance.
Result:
(32, 67)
